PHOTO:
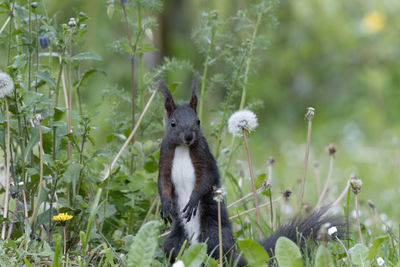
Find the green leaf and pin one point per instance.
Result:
(32, 142)
(323, 258)
(86, 56)
(254, 253)
(287, 253)
(144, 246)
(151, 166)
(359, 254)
(57, 239)
(126, 47)
(45, 76)
(87, 74)
(373, 250)
(195, 255)
(260, 179)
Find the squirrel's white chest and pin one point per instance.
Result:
(183, 178)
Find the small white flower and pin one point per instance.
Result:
(332, 231)
(380, 261)
(6, 85)
(178, 264)
(242, 120)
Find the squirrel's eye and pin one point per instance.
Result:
(173, 123)
(198, 122)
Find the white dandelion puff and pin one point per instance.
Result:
(242, 120)
(6, 85)
(178, 264)
(380, 261)
(332, 231)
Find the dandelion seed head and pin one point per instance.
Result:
(72, 22)
(332, 231)
(242, 120)
(310, 113)
(178, 264)
(6, 85)
(219, 194)
(355, 184)
(34, 5)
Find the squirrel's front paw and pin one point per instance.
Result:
(190, 209)
(166, 211)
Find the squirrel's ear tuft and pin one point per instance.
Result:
(193, 99)
(169, 103)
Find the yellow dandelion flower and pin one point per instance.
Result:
(374, 22)
(62, 217)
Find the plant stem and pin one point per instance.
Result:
(108, 172)
(204, 79)
(141, 67)
(65, 245)
(321, 197)
(5, 24)
(30, 43)
(7, 193)
(358, 219)
(69, 99)
(20, 138)
(41, 153)
(341, 196)
(303, 178)
(318, 177)
(347, 211)
(253, 184)
(220, 234)
(228, 100)
(244, 90)
(253, 209)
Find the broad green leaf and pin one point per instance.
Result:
(195, 255)
(260, 179)
(253, 252)
(86, 56)
(287, 253)
(359, 255)
(45, 76)
(323, 258)
(57, 239)
(150, 166)
(373, 250)
(144, 246)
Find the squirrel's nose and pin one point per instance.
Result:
(188, 137)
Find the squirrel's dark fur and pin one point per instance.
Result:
(183, 130)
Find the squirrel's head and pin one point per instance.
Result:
(183, 124)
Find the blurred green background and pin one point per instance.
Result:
(340, 57)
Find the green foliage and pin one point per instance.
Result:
(323, 258)
(144, 245)
(359, 255)
(287, 253)
(194, 256)
(253, 252)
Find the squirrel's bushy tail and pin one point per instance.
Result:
(302, 230)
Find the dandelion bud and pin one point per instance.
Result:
(72, 22)
(287, 194)
(331, 150)
(6, 85)
(355, 184)
(34, 5)
(44, 41)
(271, 161)
(371, 205)
(310, 113)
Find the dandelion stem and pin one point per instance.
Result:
(341, 196)
(321, 197)
(253, 184)
(65, 245)
(249, 195)
(69, 97)
(303, 178)
(41, 153)
(7, 193)
(220, 234)
(318, 177)
(253, 209)
(345, 249)
(358, 219)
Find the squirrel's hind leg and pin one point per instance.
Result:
(174, 241)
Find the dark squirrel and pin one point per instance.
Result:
(188, 173)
